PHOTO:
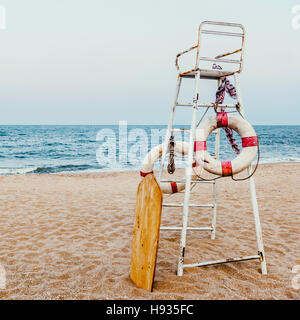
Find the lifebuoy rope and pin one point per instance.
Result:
(171, 164)
(256, 165)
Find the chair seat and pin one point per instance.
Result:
(207, 74)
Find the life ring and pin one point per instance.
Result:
(242, 161)
(152, 156)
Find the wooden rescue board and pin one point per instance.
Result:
(146, 232)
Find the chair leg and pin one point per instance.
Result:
(188, 177)
(259, 240)
(215, 190)
(214, 215)
(258, 231)
(253, 192)
(215, 186)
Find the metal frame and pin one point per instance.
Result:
(217, 59)
(196, 75)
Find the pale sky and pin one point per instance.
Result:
(98, 62)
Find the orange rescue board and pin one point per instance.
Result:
(146, 232)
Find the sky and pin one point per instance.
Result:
(99, 62)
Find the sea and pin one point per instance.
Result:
(53, 149)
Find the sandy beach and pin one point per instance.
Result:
(69, 237)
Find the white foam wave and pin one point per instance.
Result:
(11, 171)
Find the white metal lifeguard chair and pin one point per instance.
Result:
(197, 73)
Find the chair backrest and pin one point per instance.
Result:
(217, 30)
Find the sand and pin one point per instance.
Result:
(69, 237)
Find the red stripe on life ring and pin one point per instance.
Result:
(226, 168)
(144, 174)
(200, 145)
(174, 187)
(222, 119)
(250, 142)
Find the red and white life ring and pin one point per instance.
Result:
(150, 159)
(242, 161)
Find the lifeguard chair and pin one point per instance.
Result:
(201, 71)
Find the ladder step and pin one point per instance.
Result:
(208, 105)
(202, 205)
(188, 228)
(207, 263)
(180, 130)
(192, 181)
(184, 104)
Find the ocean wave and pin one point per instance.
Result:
(279, 160)
(46, 169)
(54, 144)
(13, 171)
(62, 168)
